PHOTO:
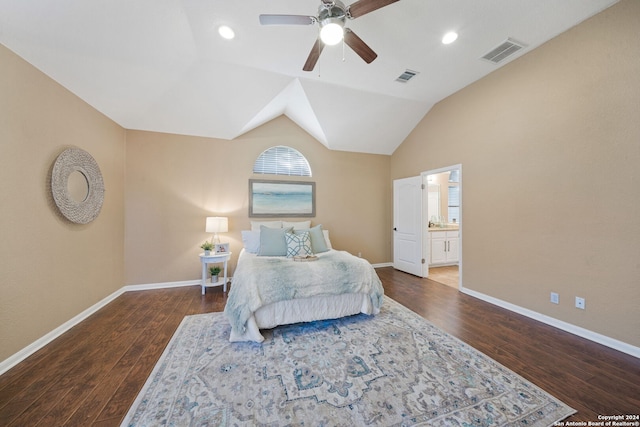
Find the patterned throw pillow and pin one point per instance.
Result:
(298, 244)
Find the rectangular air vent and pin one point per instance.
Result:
(503, 51)
(406, 76)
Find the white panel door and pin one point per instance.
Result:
(407, 225)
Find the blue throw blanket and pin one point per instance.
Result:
(258, 281)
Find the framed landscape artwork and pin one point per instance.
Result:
(271, 199)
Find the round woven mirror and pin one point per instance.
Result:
(77, 186)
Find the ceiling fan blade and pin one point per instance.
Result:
(362, 7)
(287, 20)
(358, 46)
(316, 50)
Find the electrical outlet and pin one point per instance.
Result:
(580, 303)
(555, 298)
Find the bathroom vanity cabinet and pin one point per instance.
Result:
(445, 246)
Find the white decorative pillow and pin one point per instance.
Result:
(251, 241)
(300, 225)
(298, 244)
(326, 238)
(255, 225)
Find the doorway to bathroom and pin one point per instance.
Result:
(442, 225)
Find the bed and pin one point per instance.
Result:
(271, 289)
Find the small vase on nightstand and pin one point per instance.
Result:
(215, 272)
(206, 247)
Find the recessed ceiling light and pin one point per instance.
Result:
(449, 37)
(226, 32)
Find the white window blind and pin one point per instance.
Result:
(281, 160)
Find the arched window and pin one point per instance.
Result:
(281, 160)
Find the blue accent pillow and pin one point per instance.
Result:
(298, 244)
(318, 243)
(272, 242)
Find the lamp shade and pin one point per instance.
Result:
(217, 224)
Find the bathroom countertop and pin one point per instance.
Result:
(447, 228)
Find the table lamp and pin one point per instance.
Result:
(215, 225)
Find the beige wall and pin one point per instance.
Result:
(550, 153)
(174, 182)
(51, 270)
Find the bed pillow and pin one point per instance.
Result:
(298, 244)
(300, 225)
(251, 241)
(318, 243)
(255, 225)
(272, 241)
(326, 238)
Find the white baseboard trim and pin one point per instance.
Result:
(21, 355)
(384, 264)
(568, 327)
(165, 285)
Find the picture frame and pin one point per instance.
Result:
(222, 248)
(273, 198)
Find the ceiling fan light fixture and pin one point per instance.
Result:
(331, 32)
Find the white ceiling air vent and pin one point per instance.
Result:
(503, 51)
(406, 76)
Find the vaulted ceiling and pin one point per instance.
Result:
(161, 65)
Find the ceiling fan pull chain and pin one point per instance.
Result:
(343, 59)
(320, 51)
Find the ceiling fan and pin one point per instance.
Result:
(332, 16)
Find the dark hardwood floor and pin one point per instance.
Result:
(91, 375)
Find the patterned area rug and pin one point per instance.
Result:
(393, 369)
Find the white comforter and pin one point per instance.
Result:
(263, 281)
